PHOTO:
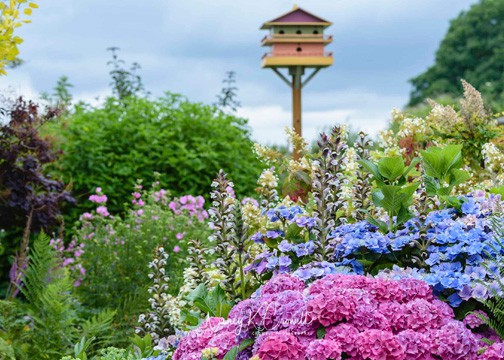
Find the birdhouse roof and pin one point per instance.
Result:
(296, 16)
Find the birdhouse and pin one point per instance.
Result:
(297, 39)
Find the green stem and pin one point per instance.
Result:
(242, 276)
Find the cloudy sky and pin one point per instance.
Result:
(186, 46)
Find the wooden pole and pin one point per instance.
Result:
(296, 73)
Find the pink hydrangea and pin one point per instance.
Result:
(194, 341)
(282, 282)
(279, 345)
(380, 345)
(211, 323)
(323, 350)
(386, 290)
(223, 342)
(332, 306)
(191, 356)
(368, 317)
(454, 341)
(473, 320)
(494, 352)
(422, 315)
(345, 336)
(339, 280)
(415, 289)
(362, 321)
(416, 345)
(394, 312)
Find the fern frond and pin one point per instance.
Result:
(42, 259)
(50, 304)
(495, 302)
(99, 327)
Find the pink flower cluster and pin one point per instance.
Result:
(98, 198)
(363, 318)
(190, 204)
(71, 258)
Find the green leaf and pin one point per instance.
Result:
(452, 201)
(222, 309)
(232, 354)
(412, 165)
(382, 225)
(190, 318)
(409, 191)
(391, 168)
(403, 216)
(431, 185)
(321, 333)
(440, 161)
(199, 292)
(458, 176)
(390, 198)
(371, 168)
(293, 231)
(498, 190)
(245, 344)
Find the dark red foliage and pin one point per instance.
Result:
(23, 184)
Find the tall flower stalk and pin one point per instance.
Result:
(230, 235)
(362, 188)
(326, 188)
(423, 205)
(198, 261)
(267, 189)
(156, 322)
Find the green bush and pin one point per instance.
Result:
(49, 320)
(187, 143)
(116, 250)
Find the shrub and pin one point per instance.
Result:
(49, 321)
(337, 317)
(450, 257)
(115, 250)
(26, 189)
(187, 143)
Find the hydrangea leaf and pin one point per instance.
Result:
(440, 161)
(391, 168)
(458, 176)
(372, 168)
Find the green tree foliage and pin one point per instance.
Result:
(61, 98)
(187, 143)
(124, 83)
(473, 49)
(227, 99)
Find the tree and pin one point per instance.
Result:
(124, 83)
(61, 98)
(29, 198)
(473, 49)
(10, 20)
(227, 99)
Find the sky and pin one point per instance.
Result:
(187, 46)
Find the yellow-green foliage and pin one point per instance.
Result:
(11, 17)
